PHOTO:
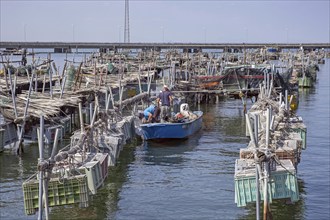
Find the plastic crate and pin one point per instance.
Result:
(282, 182)
(103, 159)
(60, 192)
(94, 175)
(66, 125)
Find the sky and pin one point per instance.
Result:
(168, 21)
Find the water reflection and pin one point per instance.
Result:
(168, 153)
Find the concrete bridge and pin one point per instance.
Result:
(67, 46)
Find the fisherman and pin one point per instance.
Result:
(165, 98)
(151, 114)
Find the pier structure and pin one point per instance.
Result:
(193, 47)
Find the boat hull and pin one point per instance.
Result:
(157, 131)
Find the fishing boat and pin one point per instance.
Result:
(184, 124)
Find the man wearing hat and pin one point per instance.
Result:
(165, 97)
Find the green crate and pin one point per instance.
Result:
(60, 192)
(282, 185)
(303, 134)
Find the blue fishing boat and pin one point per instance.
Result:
(172, 130)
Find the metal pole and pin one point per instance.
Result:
(20, 146)
(51, 82)
(250, 129)
(62, 87)
(112, 99)
(90, 112)
(258, 195)
(256, 128)
(41, 158)
(139, 73)
(286, 99)
(95, 112)
(12, 90)
(82, 127)
(106, 99)
(266, 174)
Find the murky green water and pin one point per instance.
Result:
(191, 179)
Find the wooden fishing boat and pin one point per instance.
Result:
(169, 130)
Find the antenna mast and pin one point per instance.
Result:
(126, 28)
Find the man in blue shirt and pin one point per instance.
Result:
(151, 113)
(165, 97)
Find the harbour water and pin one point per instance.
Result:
(191, 179)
